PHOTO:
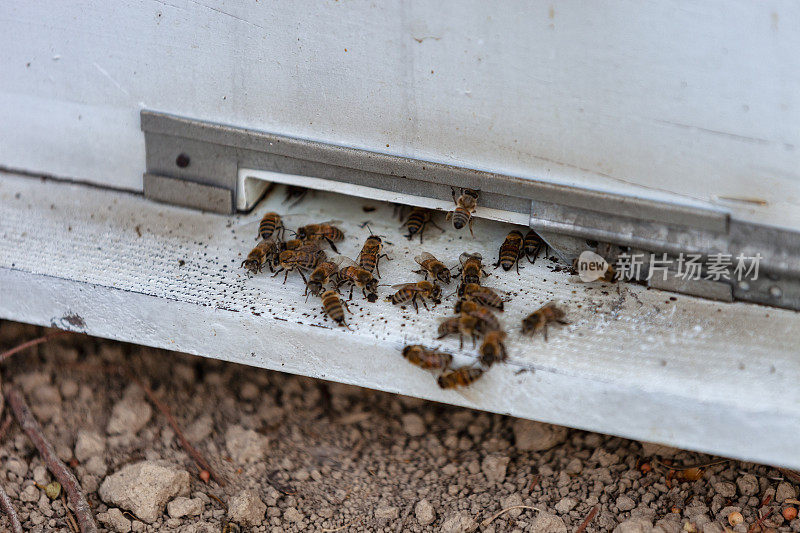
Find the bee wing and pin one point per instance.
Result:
(464, 257)
(424, 256)
(329, 222)
(410, 286)
(342, 261)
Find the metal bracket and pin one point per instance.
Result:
(223, 169)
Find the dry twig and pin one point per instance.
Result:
(5, 355)
(507, 509)
(588, 520)
(793, 476)
(63, 474)
(8, 508)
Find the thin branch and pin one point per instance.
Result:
(5, 355)
(507, 509)
(63, 474)
(8, 507)
(199, 460)
(588, 520)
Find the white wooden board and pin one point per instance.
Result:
(698, 100)
(704, 375)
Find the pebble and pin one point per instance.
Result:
(144, 488)
(625, 503)
(183, 506)
(245, 445)
(96, 466)
(547, 523)
(115, 520)
(461, 522)
(574, 466)
(413, 425)
(565, 505)
(247, 508)
(128, 417)
(748, 484)
(784, 491)
(386, 511)
(512, 500)
(200, 429)
(17, 466)
(424, 512)
(40, 475)
(292, 515)
(29, 494)
(89, 444)
(725, 489)
(494, 468)
(634, 525)
(650, 449)
(533, 436)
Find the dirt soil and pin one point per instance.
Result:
(302, 454)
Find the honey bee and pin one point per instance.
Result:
(412, 291)
(532, 245)
(292, 244)
(486, 319)
(231, 527)
(539, 319)
(322, 231)
(428, 359)
(434, 267)
(510, 251)
(334, 307)
(262, 254)
(371, 254)
(471, 268)
(492, 349)
(416, 222)
(481, 295)
(270, 224)
(465, 206)
(320, 277)
(460, 325)
(460, 377)
(355, 276)
(303, 258)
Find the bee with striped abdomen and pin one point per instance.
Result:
(320, 277)
(409, 292)
(416, 222)
(532, 246)
(486, 319)
(371, 254)
(492, 349)
(539, 319)
(271, 224)
(305, 257)
(460, 377)
(423, 357)
(482, 295)
(334, 307)
(263, 254)
(460, 325)
(355, 276)
(471, 268)
(510, 251)
(465, 206)
(434, 267)
(323, 231)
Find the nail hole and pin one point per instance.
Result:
(182, 160)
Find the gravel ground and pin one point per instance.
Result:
(307, 455)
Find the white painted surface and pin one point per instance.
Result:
(691, 373)
(697, 99)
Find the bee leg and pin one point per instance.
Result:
(303, 276)
(545, 332)
(286, 275)
(470, 227)
(453, 191)
(351, 292)
(414, 303)
(432, 223)
(517, 263)
(424, 304)
(333, 246)
(460, 341)
(281, 269)
(346, 307)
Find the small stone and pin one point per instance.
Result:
(40, 475)
(784, 492)
(512, 500)
(725, 489)
(247, 508)
(144, 488)
(137, 526)
(17, 466)
(292, 515)
(712, 527)
(548, 523)
(565, 505)
(389, 512)
(413, 425)
(748, 484)
(533, 436)
(200, 429)
(115, 520)
(29, 494)
(183, 506)
(494, 468)
(574, 466)
(88, 444)
(650, 449)
(460, 522)
(129, 416)
(604, 458)
(625, 503)
(69, 389)
(634, 525)
(424, 512)
(245, 445)
(249, 391)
